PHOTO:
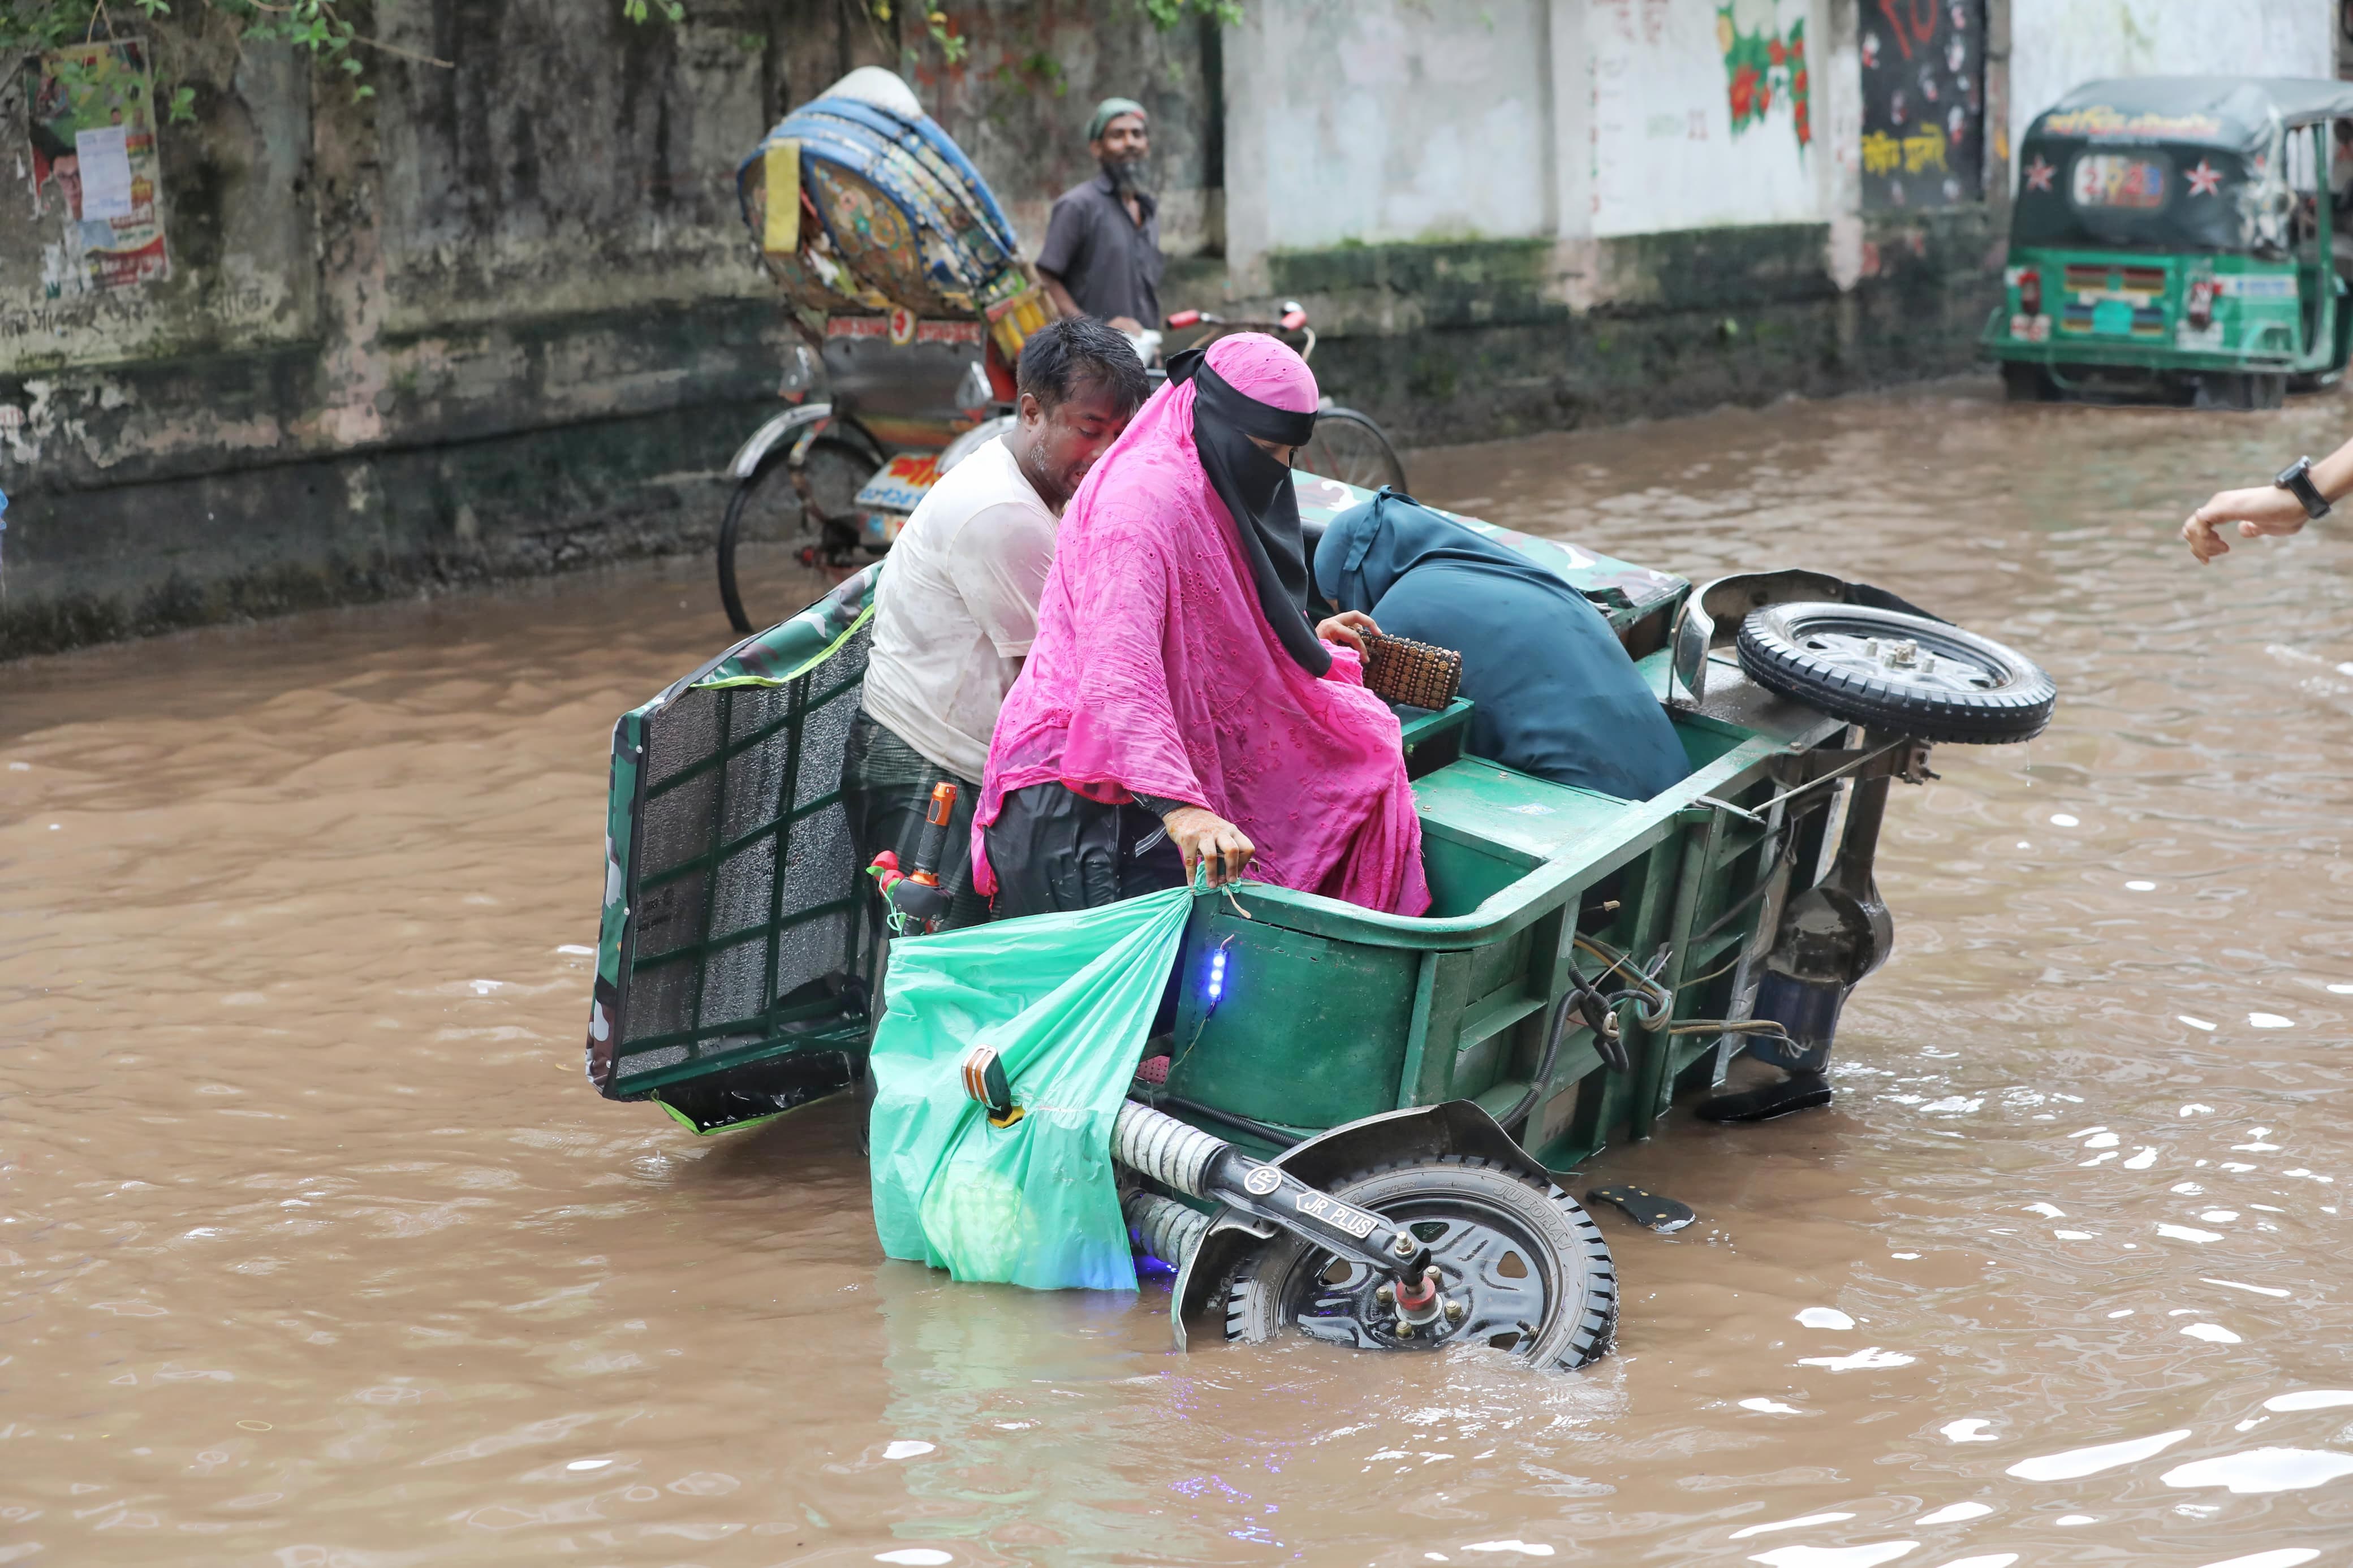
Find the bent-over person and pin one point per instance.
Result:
(956, 609)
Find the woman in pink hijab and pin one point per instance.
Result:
(1176, 706)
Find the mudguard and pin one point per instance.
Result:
(809, 416)
(1419, 1132)
(1710, 617)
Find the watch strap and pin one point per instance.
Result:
(2296, 479)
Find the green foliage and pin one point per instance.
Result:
(1166, 14)
(951, 46)
(1040, 69)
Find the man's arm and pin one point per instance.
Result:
(1066, 240)
(2264, 509)
(1055, 292)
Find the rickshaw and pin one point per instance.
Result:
(1365, 1136)
(910, 302)
(2177, 236)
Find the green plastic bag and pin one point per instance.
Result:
(1067, 1001)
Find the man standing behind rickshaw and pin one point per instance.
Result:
(1102, 255)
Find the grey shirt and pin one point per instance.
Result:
(1110, 263)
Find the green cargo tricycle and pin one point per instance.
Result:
(2177, 236)
(1361, 1138)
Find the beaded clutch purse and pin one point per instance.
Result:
(1399, 670)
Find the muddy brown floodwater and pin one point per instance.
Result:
(315, 1248)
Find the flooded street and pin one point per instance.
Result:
(316, 1248)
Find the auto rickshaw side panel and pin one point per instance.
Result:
(1530, 878)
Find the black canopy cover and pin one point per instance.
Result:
(2166, 163)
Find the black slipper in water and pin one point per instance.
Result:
(1798, 1091)
(1644, 1207)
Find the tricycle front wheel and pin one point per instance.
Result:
(1520, 1266)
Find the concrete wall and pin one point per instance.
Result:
(2057, 45)
(1388, 120)
(1667, 150)
(501, 318)
(1668, 215)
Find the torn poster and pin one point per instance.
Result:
(93, 134)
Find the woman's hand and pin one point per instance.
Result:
(1204, 838)
(1347, 628)
(2267, 509)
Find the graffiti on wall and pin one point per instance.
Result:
(1923, 102)
(1762, 66)
(1702, 114)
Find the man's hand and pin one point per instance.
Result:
(2267, 509)
(1204, 838)
(1127, 324)
(1348, 629)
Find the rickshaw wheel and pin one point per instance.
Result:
(767, 508)
(1905, 674)
(1528, 1268)
(1349, 447)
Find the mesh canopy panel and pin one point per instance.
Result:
(746, 936)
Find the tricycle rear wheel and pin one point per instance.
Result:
(1528, 1268)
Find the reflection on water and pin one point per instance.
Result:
(317, 1249)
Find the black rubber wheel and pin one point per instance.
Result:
(1349, 447)
(767, 508)
(1529, 1269)
(2024, 383)
(1901, 673)
(2250, 390)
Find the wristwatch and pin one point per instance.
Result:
(2296, 479)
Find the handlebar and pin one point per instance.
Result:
(1294, 319)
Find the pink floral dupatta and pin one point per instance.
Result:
(1154, 671)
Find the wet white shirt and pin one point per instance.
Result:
(958, 609)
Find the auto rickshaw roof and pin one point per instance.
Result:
(2234, 112)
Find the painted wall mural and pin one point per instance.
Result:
(1761, 67)
(1702, 114)
(1923, 102)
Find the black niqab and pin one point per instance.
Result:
(1257, 491)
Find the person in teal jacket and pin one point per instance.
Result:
(1552, 691)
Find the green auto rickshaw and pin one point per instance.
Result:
(2173, 236)
(1363, 1134)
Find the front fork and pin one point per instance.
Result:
(1201, 1165)
(1836, 931)
(1251, 1192)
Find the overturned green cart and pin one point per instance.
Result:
(1362, 1136)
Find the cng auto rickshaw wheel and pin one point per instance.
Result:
(2025, 382)
(1905, 674)
(1521, 1266)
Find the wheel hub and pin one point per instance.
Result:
(1900, 661)
(1482, 1285)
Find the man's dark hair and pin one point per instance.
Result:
(1065, 355)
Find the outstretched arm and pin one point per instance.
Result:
(2264, 510)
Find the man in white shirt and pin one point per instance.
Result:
(957, 606)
